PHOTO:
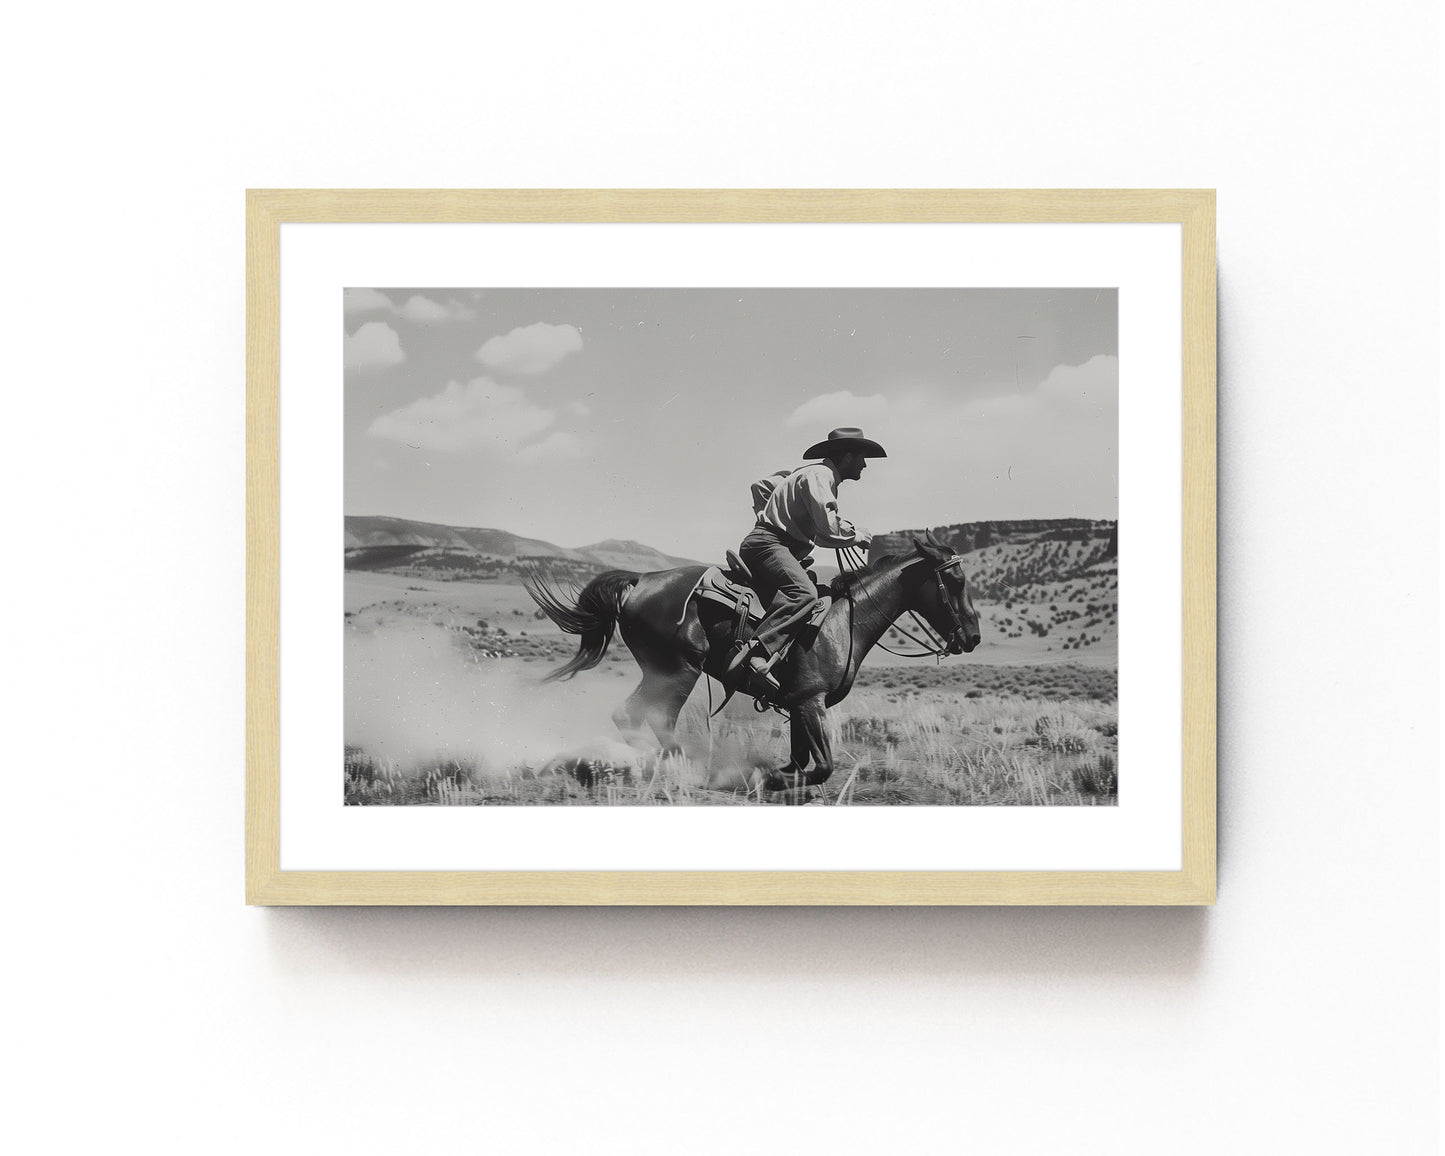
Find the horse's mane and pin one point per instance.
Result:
(847, 579)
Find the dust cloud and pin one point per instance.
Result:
(413, 696)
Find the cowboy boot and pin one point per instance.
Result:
(760, 677)
(750, 666)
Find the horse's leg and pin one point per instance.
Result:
(657, 702)
(631, 716)
(671, 655)
(808, 735)
(668, 695)
(813, 716)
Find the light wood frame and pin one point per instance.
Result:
(266, 883)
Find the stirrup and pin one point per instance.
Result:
(740, 655)
(762, 684)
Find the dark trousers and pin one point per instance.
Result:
(781, 582)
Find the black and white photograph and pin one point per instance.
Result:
(731, 546)
(348, 340)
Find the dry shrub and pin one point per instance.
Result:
(1065, 733)
(1098, 776)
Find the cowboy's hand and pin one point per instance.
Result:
(863, 535)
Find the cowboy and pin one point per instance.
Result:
(799, 513)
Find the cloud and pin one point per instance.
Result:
(530, 349)
(425, 311)
(373, 346)
(418, 309)
(830, 410)
(355, 301)
(479, 415)
(1045, 452)
(558, 444)
(1093, 384)
(1070, 395)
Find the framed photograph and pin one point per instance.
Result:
(730, 547)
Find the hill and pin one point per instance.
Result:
(429, 550)
(619, 554)
(1046, 590)
(1041, 586)
(376, 532)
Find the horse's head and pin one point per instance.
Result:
(946, 602)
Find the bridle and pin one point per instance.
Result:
(957, 637)
(850, 559)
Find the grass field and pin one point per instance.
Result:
(1003, 736)
(444, 706)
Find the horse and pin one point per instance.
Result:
(676, 638)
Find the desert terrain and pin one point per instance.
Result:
(445, 652)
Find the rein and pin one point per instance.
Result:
(850, 560)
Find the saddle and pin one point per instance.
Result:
(733, 587)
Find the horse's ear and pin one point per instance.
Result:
(931, 548)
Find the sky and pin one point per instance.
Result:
(577, 415)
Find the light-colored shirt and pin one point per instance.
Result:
(805, 506)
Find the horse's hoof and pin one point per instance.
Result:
(782, 780)
(770, 781)
(792, 780)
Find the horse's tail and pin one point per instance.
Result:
(592, 613)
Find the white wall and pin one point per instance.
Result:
(152, 1009)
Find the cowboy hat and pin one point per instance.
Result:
(844, 440)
